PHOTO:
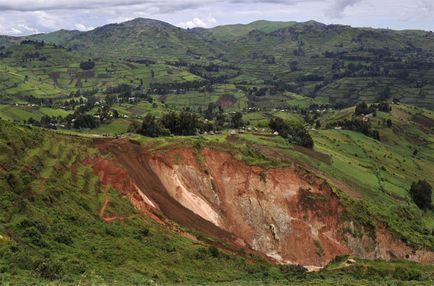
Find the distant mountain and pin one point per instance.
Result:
(231, 32)
(335, 63)
(59, 37)
(141, 38)
(7, 41)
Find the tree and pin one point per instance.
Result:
(389, 123)
(87, 65)
(152, 127)
(237, 120)
(85, 121)
(362, 108)
(385, 94)
(421, 193)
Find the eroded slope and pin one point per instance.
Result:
(287, 214)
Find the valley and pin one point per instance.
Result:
(272, 152)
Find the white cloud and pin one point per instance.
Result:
(337, 9)
(199, 22)
(51, 15)
(83, 27)
(27, 29)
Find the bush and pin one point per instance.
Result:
(237, 120)
(293, 271)
(421, 193)
(214, 251)
(34, 236)
(407, 274)
(48, 269)
(15, 183)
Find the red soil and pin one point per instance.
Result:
(286, 214)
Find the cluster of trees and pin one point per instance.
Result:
(165, 88)
(310, 77)
(81, 120)
(184, 123)
(357, 125)
(295, 133)
(46, 121)
(275, 86)
(37, 44)
(33, 56)
(363, 108)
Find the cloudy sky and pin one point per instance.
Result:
(22, 17)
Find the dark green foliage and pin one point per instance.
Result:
(182, 123)
(152, 127)
(292, 271)
(362, 108)
(88, 65)
(421, 193)
(49, 269)
(237, 120)
(358, 125)
(294, 132)
(389, 123)
(15, 182)
(214, 251)
(84, 121)
(404, 274)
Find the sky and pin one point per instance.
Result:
(24, 17)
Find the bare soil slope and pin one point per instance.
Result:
(286, 214)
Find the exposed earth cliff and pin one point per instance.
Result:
(287, 214)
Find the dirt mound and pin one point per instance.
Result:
(227, 100)
(287, 214)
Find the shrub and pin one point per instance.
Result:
(87, 65)
(237, 120)
(49, 269)
(293, 271)
(214, 251)
(421, 193)
(404, 274)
